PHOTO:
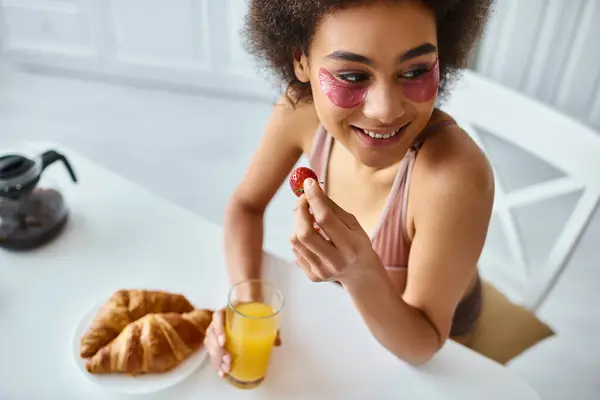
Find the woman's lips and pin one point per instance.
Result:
(379, 137)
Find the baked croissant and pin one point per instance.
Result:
(152, 344)
(126, 306)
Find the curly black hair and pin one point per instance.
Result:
(275, 29)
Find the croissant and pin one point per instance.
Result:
(152, 344)
(126, 306)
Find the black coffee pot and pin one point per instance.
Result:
(32, 210)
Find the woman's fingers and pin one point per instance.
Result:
(219, 330)
(226, 363)
(334, 221)
(305, 254)
(307, 260)
(307, 235)
(215, 344)
(214, 350)
(218, 324)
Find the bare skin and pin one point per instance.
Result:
(449, 203)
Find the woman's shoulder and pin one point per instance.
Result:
(452, 179)
(298, 119)
(451, 159)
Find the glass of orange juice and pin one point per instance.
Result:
(251, 325)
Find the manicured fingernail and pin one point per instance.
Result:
(309, 184)
(226, 359)
(221, 340)
(221, 373)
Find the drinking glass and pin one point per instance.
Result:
(251, 326)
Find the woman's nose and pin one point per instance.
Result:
(384, 103)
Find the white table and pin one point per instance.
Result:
(122, 236)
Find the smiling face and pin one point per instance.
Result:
(374, 76)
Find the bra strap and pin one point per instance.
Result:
(430, 131)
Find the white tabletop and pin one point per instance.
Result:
(121, 236)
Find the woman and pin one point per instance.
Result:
(407, 195)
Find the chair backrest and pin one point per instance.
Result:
(547, 169)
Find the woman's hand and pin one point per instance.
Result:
(215, 343)
(346, 255)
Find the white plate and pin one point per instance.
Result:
(140, 384)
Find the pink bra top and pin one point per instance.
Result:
(389, 237)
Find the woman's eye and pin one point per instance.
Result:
(414, 73)
(353, 78)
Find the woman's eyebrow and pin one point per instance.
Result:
(342, 55)
(426, 48)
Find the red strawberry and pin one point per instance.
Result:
(297, 179)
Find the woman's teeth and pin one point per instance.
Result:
(380, 135)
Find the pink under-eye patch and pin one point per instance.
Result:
(424, 87)
(342, 94)
(350, 95)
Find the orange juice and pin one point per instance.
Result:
(251, 330)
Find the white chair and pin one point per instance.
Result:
(496, 116)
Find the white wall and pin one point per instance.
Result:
(547, 49)
(174, 43)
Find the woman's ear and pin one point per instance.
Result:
(301, 66)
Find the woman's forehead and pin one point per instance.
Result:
(376, 28)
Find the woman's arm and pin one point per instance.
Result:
(453, 199)
(286, 133)
(277, 153)
(404, 330)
